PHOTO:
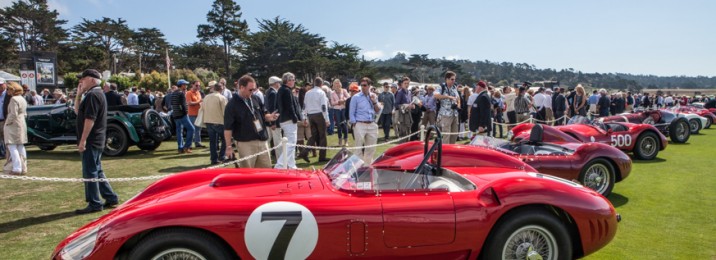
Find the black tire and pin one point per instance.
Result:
(647, 146)
(694, 126)
(180, 241)
(708, 123)
(117, 140)
(149, 145)
(47, 147)
(538, 223)
(679, 131)
(598, 175)
(154, 125)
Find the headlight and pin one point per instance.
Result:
(81, 246)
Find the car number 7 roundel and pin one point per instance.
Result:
(621, 140)
(272, 227)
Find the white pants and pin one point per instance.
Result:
(365, 134)
(288, 160)
(17, 153)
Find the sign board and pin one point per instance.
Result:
(27, 77)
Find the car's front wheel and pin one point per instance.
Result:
(679, 131)
(180, 243)
(695, 126)
(117, 141)
(598, 175)
(47, 147)
(529, 235)
(647, 146)
(149, 145)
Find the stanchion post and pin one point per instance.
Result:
(532, 119)
(284, 151)
(564, 120)
(422, 133)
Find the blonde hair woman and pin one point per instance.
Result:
(580, 101)
(16, 131)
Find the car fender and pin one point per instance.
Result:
(126, 125)
(38, 134)
(586, 208)
(636, 130)
(589, 151)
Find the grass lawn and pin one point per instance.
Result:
(668, 205)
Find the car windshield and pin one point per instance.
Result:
(583, 120)
(345, 170)
(490, 142)
(523, 148)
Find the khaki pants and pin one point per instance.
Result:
(274, 136)
(428, 118)
(405, 120)
(365, 134)
(549, 116)
(521, 117)
(448, 124)
(252, 147)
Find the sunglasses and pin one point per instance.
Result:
(363, 85)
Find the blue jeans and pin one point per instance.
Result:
(216, 135)
(92, 168)
(180, 123)
(197, 130)
(331, 118)
(341, 123)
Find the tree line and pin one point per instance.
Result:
(225, 47)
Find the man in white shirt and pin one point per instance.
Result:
(510, 95)
(132, 98)
(316, 107)
(669, 101)
(224, 90)
(549, 114)
(540, 99)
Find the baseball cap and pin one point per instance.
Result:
(90, 73)
(2, 81)
(274, 79)
(212, 83)
(353, 87)
(182, 82)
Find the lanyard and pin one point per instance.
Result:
(250, 104)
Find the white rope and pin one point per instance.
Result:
(457, 133)
(354, 147)
(551, 121)
(153, 177)
(503, 124)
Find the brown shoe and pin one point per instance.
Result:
(187, 150)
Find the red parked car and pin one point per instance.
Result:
(708, 114)
(675, 126)
(645, 141)
(451, 204)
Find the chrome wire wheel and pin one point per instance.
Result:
(681, 131)
(178, 254)
(530, 242)
(648, 146)
(694, 125)
(597, 178)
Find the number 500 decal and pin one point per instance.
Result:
(272, 227)
(621, 140)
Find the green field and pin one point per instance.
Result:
(668, 205)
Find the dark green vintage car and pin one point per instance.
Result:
(51, 125)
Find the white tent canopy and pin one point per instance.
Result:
(8, 76)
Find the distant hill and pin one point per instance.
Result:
(423, 69)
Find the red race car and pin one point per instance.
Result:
(675, 126)
(645, 141)
(452, 204)
(597, 166)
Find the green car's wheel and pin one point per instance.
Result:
(46, 147)
(117, 141)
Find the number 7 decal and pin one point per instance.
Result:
(271, 228)
(292, 218)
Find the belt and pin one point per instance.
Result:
(316, 114)
(366, 122)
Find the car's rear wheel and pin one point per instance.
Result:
(695, 126)
(529, 235)
(149, 145)
(180, 243)
(154, 124)
(117, 141)
(598, 175)
(679, 131)
(647, 146)
(708, 123)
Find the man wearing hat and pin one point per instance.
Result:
(480, 113)
(92, 133)
(387, 99)
(214, 105)
(522, 105)
(180, 114)
(271, 99)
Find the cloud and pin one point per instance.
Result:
(61, 8)
(453, 57)
(374, 54)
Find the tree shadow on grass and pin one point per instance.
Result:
(31, 221)
(176, 169)
(617, 199)
(185, 156)
(655, 160)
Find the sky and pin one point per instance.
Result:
(657, 37)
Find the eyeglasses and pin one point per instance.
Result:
(291, 79)
(452, 79)
(363, 85)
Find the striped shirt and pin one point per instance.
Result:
(522, 104)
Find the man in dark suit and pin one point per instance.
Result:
(559, 105)
(289, 116)
(113, 98)
(482, 115)
(271, 106)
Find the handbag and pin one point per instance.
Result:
(199, 122)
